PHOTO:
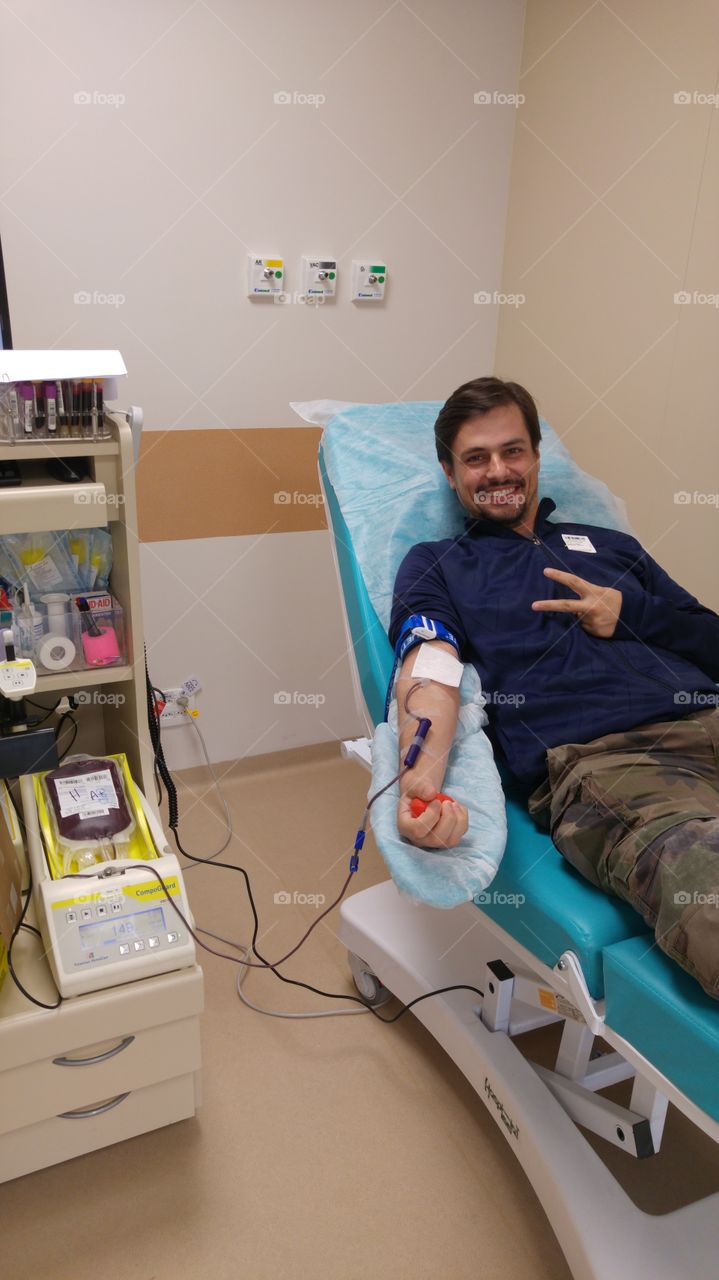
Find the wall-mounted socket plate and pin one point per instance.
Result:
(368, 281)
(173, 715)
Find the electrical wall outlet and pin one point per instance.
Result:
(172, 713)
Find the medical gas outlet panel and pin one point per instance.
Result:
(368, 281)
(266, 278)
(319, 277)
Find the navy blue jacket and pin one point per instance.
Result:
(547, 680)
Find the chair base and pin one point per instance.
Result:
(414, 949)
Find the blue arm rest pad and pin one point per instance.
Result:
(445, 877)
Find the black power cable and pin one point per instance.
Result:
(21, 925)
(162, 771)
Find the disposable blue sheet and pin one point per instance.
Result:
(382, 464)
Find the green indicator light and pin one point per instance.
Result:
(278, 275)
(381, 279)
(377, 270)
(332, 275)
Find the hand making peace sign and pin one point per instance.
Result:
(597, 607)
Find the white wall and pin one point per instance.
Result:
(612, 240)
(159, 198)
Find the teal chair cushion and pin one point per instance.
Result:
(540, 900)
(666, 1015)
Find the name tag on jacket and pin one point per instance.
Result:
(577, 542)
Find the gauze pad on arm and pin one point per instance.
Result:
(433, 663)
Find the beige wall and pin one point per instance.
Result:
(614, 209)
(157, 199)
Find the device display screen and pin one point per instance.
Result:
(104, 933)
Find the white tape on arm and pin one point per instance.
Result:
(434, 663)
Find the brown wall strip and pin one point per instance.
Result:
(219, 484)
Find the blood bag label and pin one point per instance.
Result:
(88, 795)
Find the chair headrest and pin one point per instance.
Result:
(382, 464)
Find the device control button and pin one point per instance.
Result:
(86, 913)
(153, 942)
(124, 948)
(116, 907)
(172, 937)
(139, 946)
(71, 917)
(101, 912)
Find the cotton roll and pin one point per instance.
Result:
(56, 653)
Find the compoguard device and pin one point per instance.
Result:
(111, 923)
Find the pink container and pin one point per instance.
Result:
(99, 631)
(102, 650)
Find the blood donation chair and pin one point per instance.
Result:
(546, 948)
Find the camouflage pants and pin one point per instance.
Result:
(637, 813)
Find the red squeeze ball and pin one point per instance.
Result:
(418, 806)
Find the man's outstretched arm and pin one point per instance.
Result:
(442, 824)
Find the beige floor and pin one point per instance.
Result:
(330, 1149)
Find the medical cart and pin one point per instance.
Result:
(117, 1062)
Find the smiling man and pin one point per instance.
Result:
(600, 673)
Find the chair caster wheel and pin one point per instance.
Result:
(367, 983)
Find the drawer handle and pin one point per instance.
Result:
(99, 1057)
(85, 1112)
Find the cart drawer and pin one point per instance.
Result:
(115, 1118)
(39, 1090)
(34, 508)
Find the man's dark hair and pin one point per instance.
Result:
(473, 399)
